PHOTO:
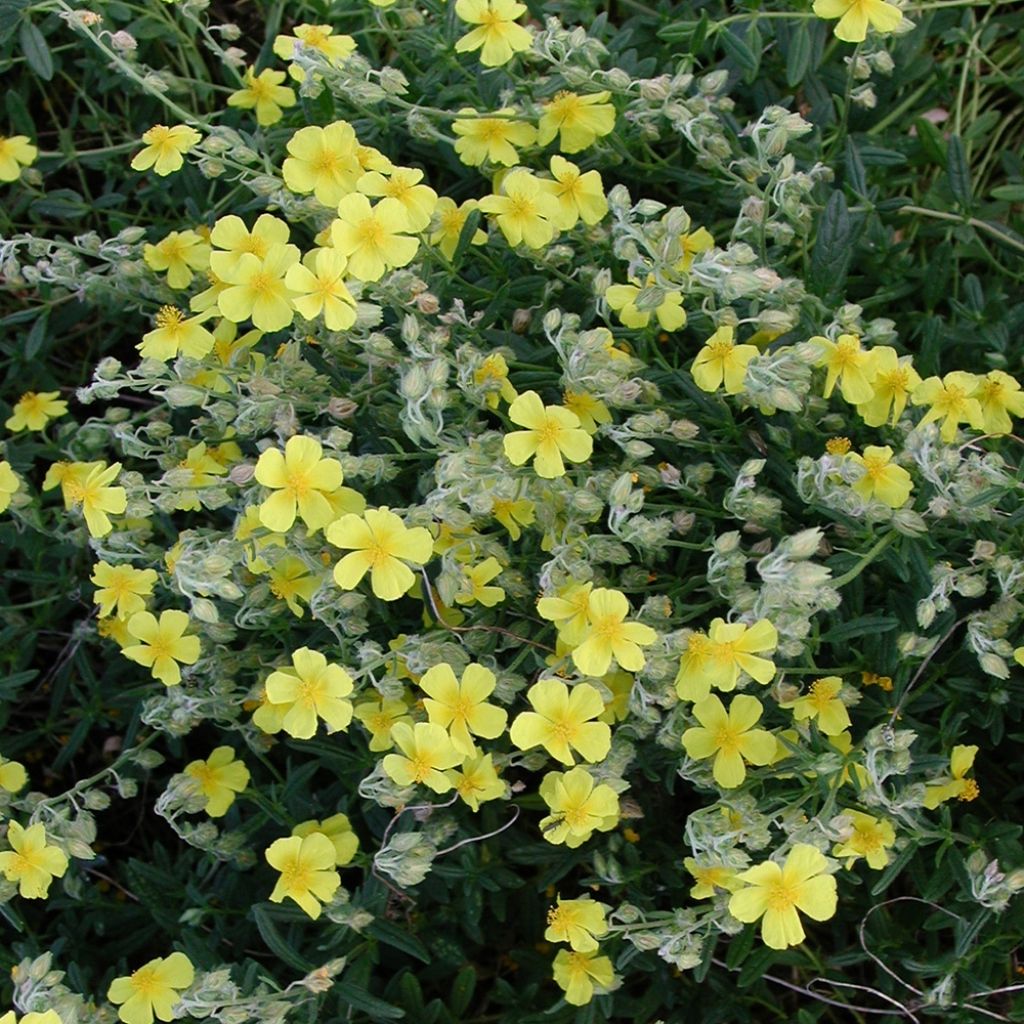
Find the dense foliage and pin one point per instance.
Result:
(511, 512)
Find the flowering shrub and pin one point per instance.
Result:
(537, 536)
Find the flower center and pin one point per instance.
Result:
(169, 317)
(727, 739)
(782, 896)
(370, 233)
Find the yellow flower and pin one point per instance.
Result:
(866, 837)
(579, 121)
(579, 922)
(9, 484)
(998, 395)
(460, 706)
(338, 829)
(590, 411)
(17, 152)
(307, 871)
(822, 703)
(264, 92)
(165, 148)
(256, 287)
(380, 544)
(318, 284)
(847, 364)
(578, 807)
(580, 196)
(474, 589)
(578, 974)
(893, 381)
(232, 236)
(179, 253)
(493, 138)
(525, 211)
(174, 335)
(952, 400)
(513, 513)
(35, 409)
(551, 433)
(855, 16)
(320, 38)
(30, 862)
(777, 893)
(219, 778)
(162, 644)
(720, 361)
(497, 36)
(449, 220)
(477, 781)
(121, 589)
(45, 1017)
(153, 989)
(374, 239)
(711, 877)
(729, 649)
(403, 185)
(323, 161)
(289, 579)
(730, 737)
(670, 313)
(312, 689)
(92, 491)
(379, 716)
(13, 776)
(609, 636)
(427, 752)
(890, 484)
(569, 610)
(956, 786)
(563, 720)
(300, 477)
(693, 243)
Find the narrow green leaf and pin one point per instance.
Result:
(931, 141)
(958, 172)
(469, 229)
(360, 999)
(740, 54)
(798, 57)
(833, 248)
(276, 942)
(36, 336)
(36, 51)
(391, 935)
(1009, 193)
(463, 989)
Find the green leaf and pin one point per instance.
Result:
(391, 935)
(36, 336)
(1009, 193)
(276, 942)
(463, 989)
(741, 54)
(36, 51)
(866, 624)
(958, 172)
(360, 999)
(833, 248)
(798, 57)
(931, 141)
(469, 229)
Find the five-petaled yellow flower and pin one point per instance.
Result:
(823, 705)
(175, 334)
(323, 161)
(219, 778)
(776, 894)
(448, 222)
(855, 16)
(180, 254)
(580, 195)
(882, 479)
(579, 922)
(893, 382)
(669, 312)
(165, 148)
(35, 409)
(30, 861)
(729, 737)
(552, 432)
(999, 396)
(525, 210)
(163, 644)
(952, 399)
(383, 546)
(497, 35)
(718, 658)
(956, 786)
(256, 287)
(265, 93)
(374, 239)
(307, 866)
(10, 482)
(461, 706)
(722, 361)
(319, 288)
(579, 974)
(320, 38)
(121, 589)
(866, 837)
(93, 493)
(338, 829)
(16, 152)
(493, 137)
(300, 477)
(152, 990)
(579, 121)
(609, 636)
(426, 753)
(476, 781)
(579, 807)
(563, 720)
(312, 689)
(12, 775)
(847, 365)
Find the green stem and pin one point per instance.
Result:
(864, 562)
